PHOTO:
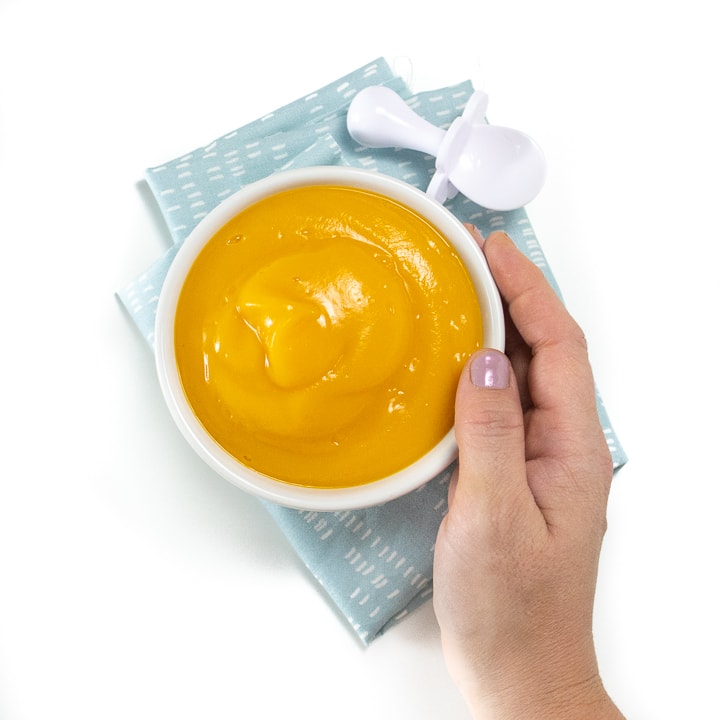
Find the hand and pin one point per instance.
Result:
(516, 558)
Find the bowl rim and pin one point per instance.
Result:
(269, 489)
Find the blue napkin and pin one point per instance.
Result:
(375, 563)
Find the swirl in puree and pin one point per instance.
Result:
(320, 335)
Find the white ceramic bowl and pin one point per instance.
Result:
(262, 486)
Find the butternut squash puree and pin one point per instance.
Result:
(320, 336)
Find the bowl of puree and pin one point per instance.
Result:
(311, 331)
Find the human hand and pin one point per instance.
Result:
(516, 557)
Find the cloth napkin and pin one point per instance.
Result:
(376, 563)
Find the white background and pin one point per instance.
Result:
(133, 582)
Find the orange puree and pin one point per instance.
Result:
(320, 336)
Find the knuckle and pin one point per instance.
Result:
(489, 422)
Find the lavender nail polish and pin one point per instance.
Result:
(490, 369)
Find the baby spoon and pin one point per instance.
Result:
(496, 167)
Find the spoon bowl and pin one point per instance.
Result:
(499, 168)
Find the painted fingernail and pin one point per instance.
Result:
(490, 369)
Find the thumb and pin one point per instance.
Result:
(490, 434)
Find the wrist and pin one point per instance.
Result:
(584, 699)
(563, 684)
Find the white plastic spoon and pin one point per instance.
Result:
(496, 167)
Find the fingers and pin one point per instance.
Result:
(489, 429)
(569, 462)
(560, 378)
(541, 430)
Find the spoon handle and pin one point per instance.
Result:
(378, 117)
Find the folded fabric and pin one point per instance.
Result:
(374, 563)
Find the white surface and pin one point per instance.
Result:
(134, 583)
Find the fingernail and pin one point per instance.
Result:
(490, 369)
(479, 239)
